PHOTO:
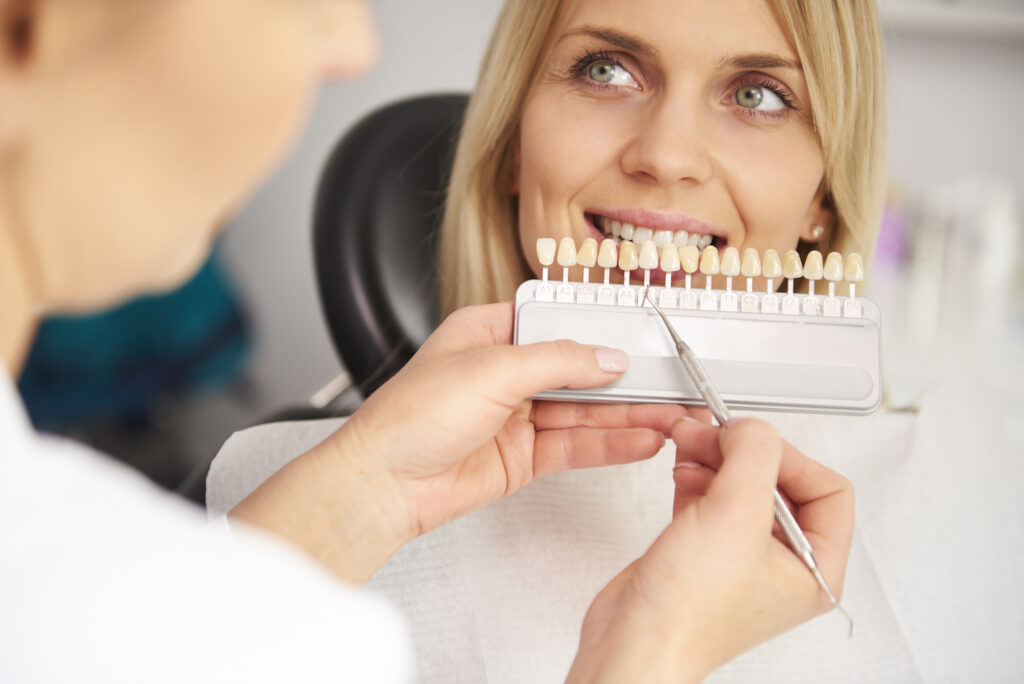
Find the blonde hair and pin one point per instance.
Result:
(840, 47)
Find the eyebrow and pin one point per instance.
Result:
(763, 60)
(616, 38)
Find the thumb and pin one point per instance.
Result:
(745, 485)
(513, 373)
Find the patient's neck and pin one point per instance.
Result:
(18, 310)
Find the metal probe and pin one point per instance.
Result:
(797, 541)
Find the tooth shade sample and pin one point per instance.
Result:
(689, 257)
(812, 266)
(669, 259)
(642, 235)
(546, 251)
(709, 262)
(607, 257)
(751, 267)
(587, 256)
(627, 256)
(771, 267)
(680, 238)
(567, 252)
(791, 266)
(834, 266)
(662, 238)
(627, 231)
(731, 262)
(648, 255)
(854, 271)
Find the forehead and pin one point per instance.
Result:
(705, 30)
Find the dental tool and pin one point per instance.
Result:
(794, 535)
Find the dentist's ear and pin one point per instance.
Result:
(820, 220)
(17, 34)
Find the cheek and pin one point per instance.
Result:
(564, 146)
(773, 180)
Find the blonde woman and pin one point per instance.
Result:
(660, 115)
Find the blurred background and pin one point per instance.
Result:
(246, 338)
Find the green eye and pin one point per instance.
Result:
(749, 96)
(602, 72)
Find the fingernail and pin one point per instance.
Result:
(690, 465)
(611, 360)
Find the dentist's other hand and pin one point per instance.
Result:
(451, 432)
(717, 582)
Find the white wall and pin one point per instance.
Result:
(955, 111)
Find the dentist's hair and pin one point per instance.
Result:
(840, 47)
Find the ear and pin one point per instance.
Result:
(18, 19)
(820, 220)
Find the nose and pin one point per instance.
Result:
(668, 145)
(346, 39)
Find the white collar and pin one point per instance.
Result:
(16, 432)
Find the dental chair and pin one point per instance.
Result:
(378, 210)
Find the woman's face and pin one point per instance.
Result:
(679, 115)
(151, 121)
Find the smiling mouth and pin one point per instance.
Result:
(627, 232)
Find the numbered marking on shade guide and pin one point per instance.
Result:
(628, 262)
(813, 271)
(587, 258)
(833, 274)
(607, 258)
(730, 269)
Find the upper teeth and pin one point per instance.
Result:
(619, 231)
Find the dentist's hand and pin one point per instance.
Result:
(453, 431)
(717, 582)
